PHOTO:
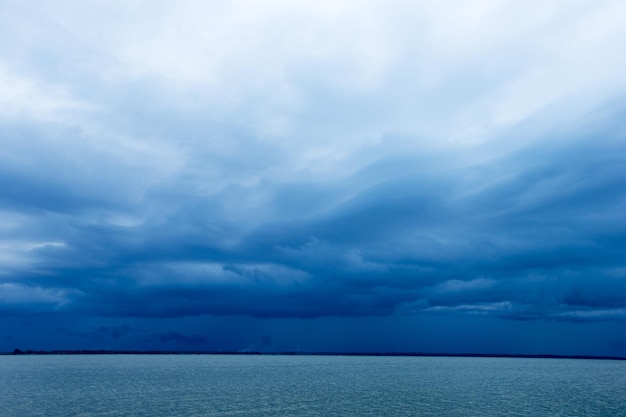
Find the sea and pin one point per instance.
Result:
(300, 385)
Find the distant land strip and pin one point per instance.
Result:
(418, 354)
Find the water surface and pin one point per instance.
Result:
(238, 385)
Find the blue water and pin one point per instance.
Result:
(224, 385)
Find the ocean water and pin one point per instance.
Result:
(232, 385)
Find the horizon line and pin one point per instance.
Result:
(19, 352)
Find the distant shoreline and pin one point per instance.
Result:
(18, 352)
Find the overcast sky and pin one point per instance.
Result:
(313, 175)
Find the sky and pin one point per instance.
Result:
(364, 176)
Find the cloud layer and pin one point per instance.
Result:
(324, 159)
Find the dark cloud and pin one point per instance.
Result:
(532, 234)
(390, 182)
(177, 338)
(529, 234)
(100, 334)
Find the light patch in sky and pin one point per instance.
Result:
(17, 294)
(22, 97)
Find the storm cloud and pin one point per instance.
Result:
(325, 161)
